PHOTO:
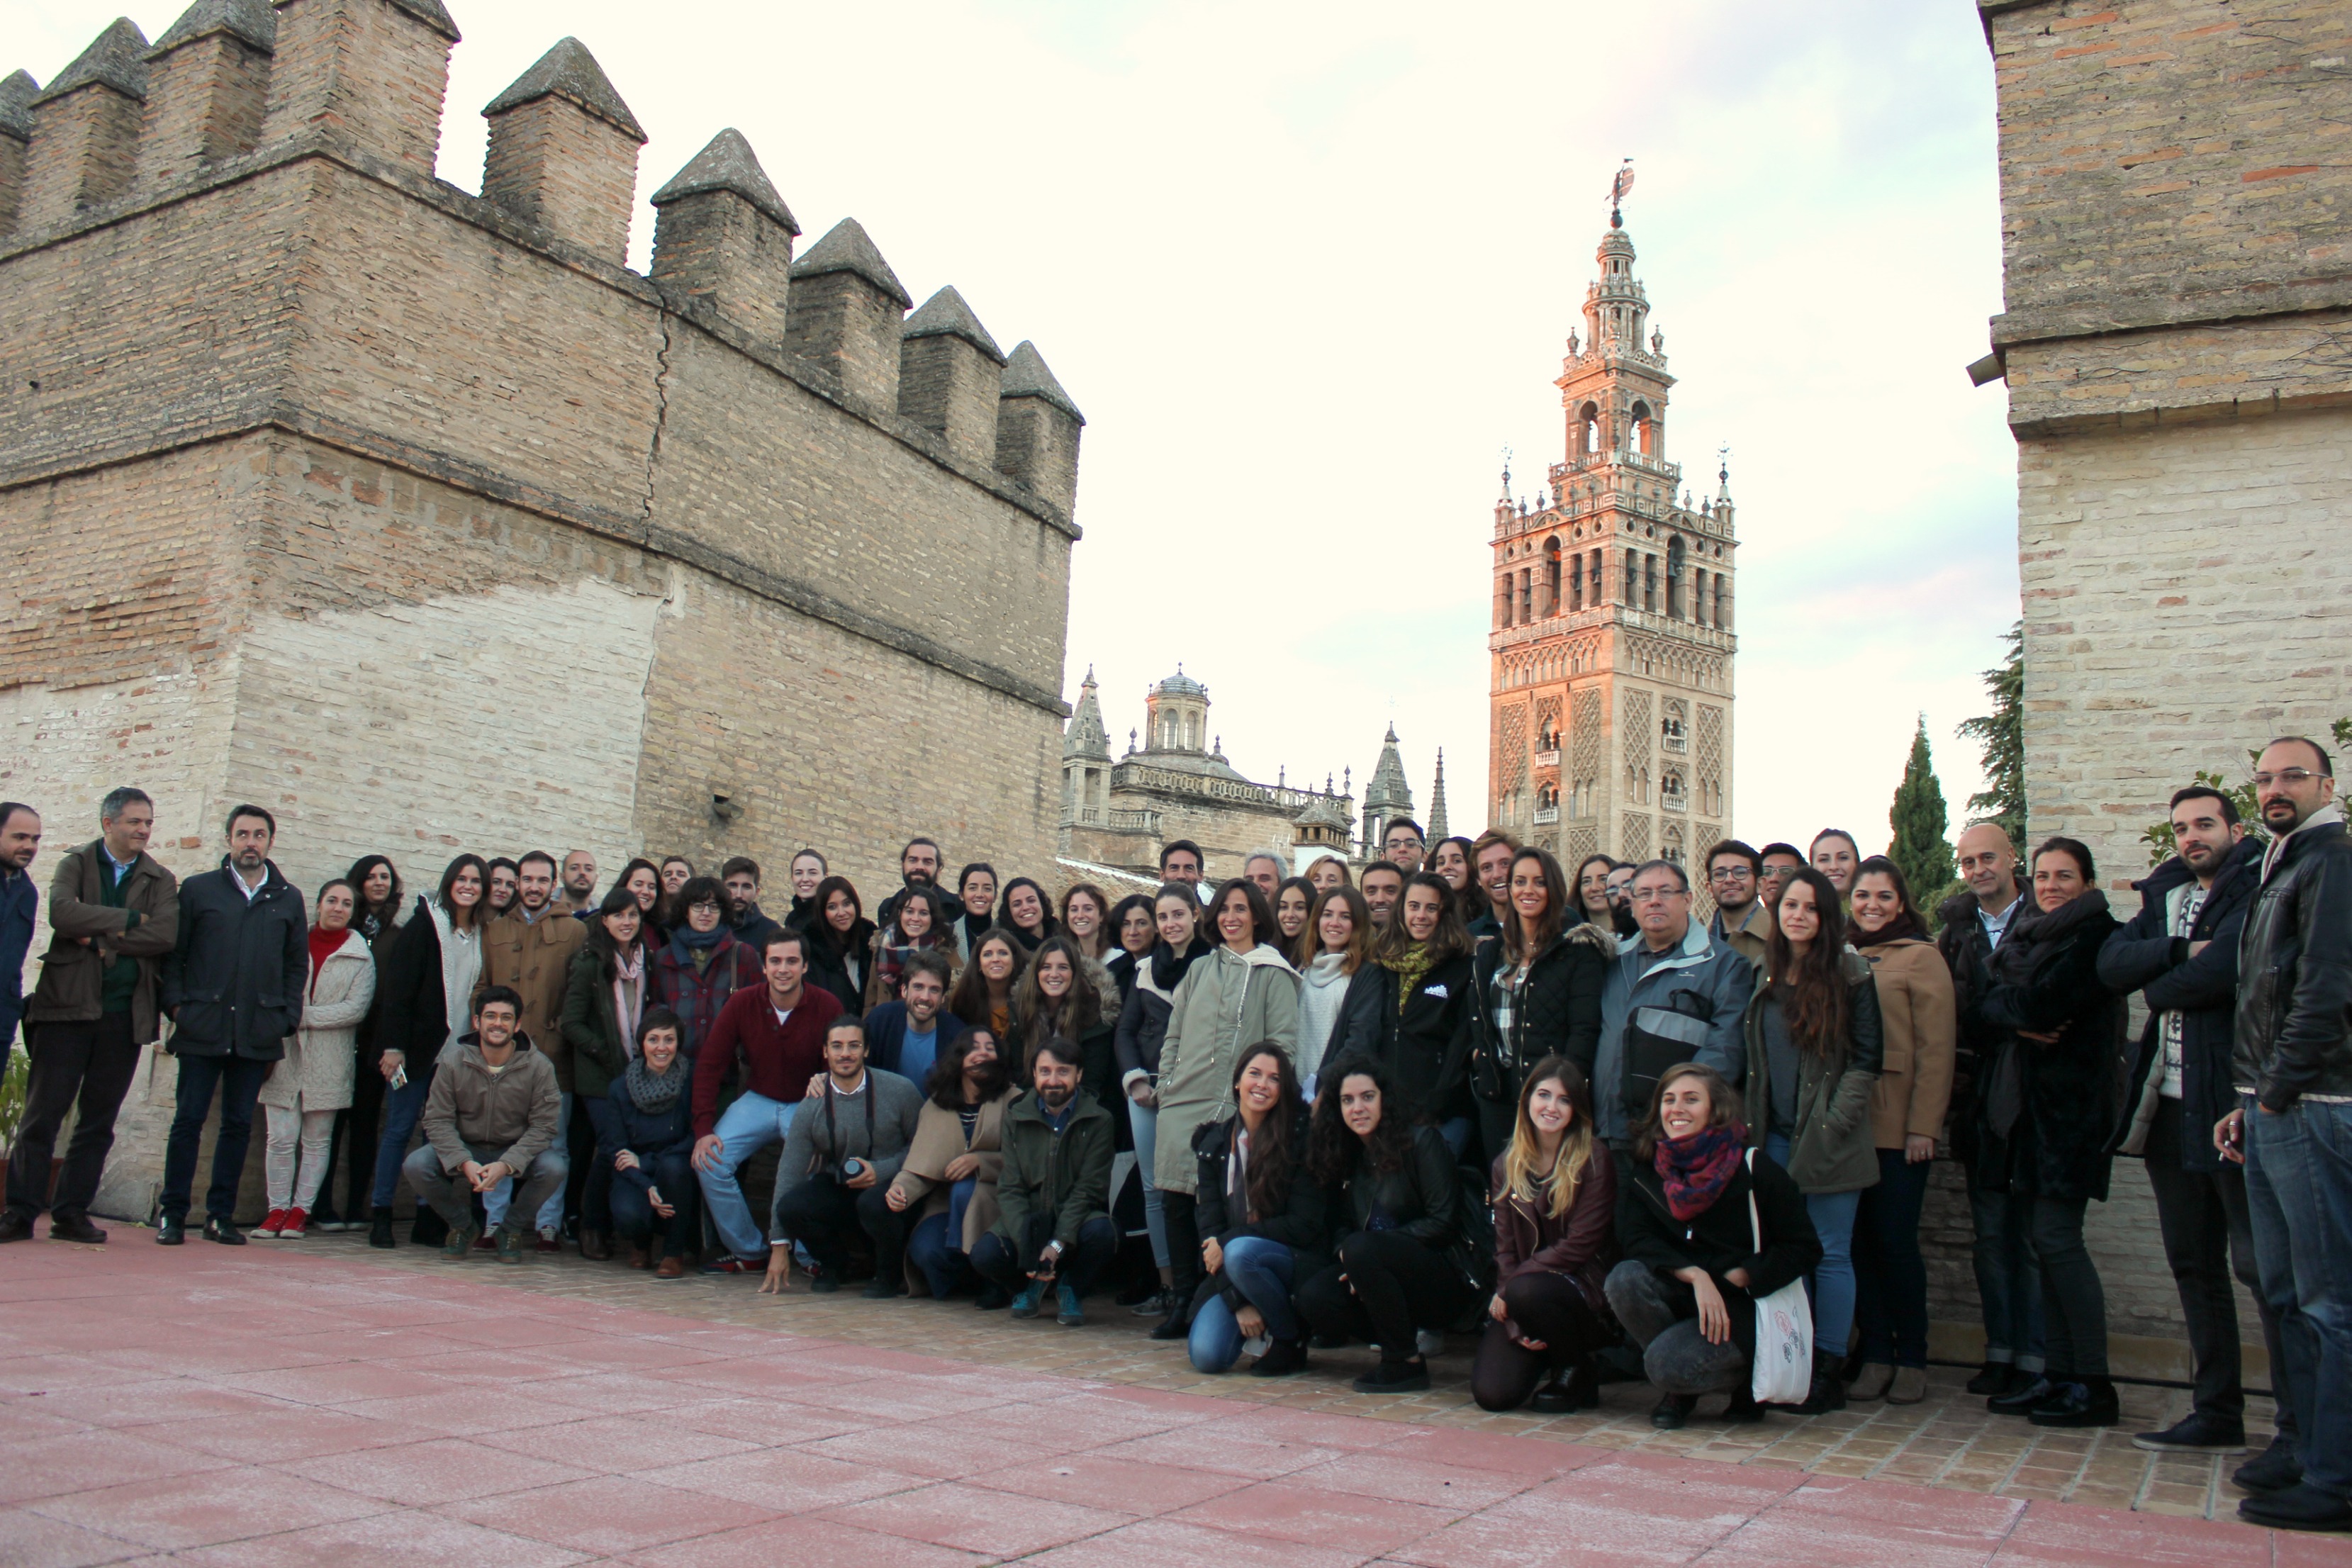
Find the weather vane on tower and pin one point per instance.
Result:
(1618, 185)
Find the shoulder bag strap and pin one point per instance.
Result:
(1755, 1221)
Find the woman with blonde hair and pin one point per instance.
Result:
(1555, 1197)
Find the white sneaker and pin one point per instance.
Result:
(1428, 1341)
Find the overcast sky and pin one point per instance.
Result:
(1308, 269)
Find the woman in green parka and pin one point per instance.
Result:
(604, 994)
(1244, 992)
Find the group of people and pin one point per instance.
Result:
(1459, 1086)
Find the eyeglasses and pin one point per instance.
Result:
(1731, 874)
(2290, 777)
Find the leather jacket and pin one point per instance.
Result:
(2294, 1031)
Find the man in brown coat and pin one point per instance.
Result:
(529, 948)
(116, 915)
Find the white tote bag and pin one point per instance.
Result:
(1784, 1328)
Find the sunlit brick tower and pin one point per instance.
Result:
(1611, 648)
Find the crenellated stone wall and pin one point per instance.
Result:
(418, 517)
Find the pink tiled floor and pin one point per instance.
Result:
(265, 1406)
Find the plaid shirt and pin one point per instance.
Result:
(696, 995)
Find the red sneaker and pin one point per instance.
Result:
(270, 1222)
(485, 1242)
(297, 1222)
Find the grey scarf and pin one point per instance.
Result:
(654, 1093)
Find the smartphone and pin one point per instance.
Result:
(400, 1078)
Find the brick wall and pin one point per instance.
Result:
(2179, 309)
(328, 485)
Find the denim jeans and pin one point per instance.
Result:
(551, 1213)
(1260, 1270)
(1831, 1281)
(932, 1247)
(2009, 1276)
(402, 1108)
(451, 1197)
(744, 1127)
(239, 1082)
(1144, 1121)
(1890, 1276)
(2299, 1193)
(634, 1219)
(1660, 1313)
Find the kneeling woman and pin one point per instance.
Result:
(1555, 1237)
(949, 1183)
(1400, 1266)
(1694, 1262)
(646, 1119)
(1261, 1220)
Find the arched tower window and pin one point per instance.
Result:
(1674, 578)
(1645, 430)
(1588, 426)
(1552, 577)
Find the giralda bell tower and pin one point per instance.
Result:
(1611, 654)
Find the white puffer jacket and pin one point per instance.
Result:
(317, 1072)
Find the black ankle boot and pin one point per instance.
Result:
(1828, 1393)
(379, 1228)
(1673, 1411)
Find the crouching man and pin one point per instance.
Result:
(1053, 1223)
(492, 1114)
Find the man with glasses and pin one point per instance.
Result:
(2291, 1063)
(1674, 994)
(1734, 879)
(1777, 863)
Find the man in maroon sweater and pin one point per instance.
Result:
(778, 1031)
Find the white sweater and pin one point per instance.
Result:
(1322, 987)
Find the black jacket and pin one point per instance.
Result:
(234, 983)
(412, 1016)
(1142, 1029)
(1423, 1044)
(1961, 939)
(1303, 1226)
(1563, 1011)
(2294, 1030)
(1723, 1238)
(2143, 956)
(830, 969)
(1422, 1199)
(2059, 1099)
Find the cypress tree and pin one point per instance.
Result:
(1919, 850)
(2002, 733)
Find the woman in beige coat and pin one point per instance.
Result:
(1906, 1114)
(1243, 993)
(946, 1189)
(313, 1080)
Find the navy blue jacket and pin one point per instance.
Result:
(885, 1031)
(2144, 956)
(621, 1125)
(19, 901)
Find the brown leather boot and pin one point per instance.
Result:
(595, 1245)
(670, 1268)
(640, 1256)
